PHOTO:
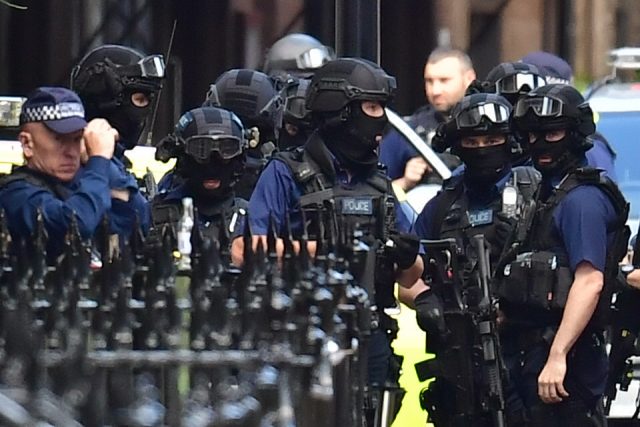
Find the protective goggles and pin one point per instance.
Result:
(515, 82)
(472, 116)
(148, 67)
(200, 147)
(542, 106)
(313, 58)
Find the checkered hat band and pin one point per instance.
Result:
(45, 113)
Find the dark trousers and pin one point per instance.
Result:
(585, 381)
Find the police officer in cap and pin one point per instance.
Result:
(210, 147)
(346, 98)
(556, 292)
(469, 204)
(53, 135)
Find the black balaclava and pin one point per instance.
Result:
(227, 171)
(129, 119)
(562, 153)
(353, 141)
(485, 165)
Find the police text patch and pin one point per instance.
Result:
(357, 206)
(482, 217)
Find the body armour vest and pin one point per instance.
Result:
(536, 285)
(453, 217)
(37, 179)
(367, 206)
(227, 214)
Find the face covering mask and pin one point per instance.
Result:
(214, 181)
(354, 142)
(552, 158)
(485, 165)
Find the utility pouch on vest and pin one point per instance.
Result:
(536, 280)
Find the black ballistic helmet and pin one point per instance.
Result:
(106, 78)
(203, 132)
(553, 107)
(475, 114)
(251, 95)
(344, 80)
(511, 79)
(106, 72)
(298, 55)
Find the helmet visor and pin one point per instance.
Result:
(200, 147)
(148, 67)
(472, 117)
(542, 106)
(516, 82)
(314, 58)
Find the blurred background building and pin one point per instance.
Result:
(41, 44)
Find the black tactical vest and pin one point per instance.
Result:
(454, 219)
(368, 205)
(537, 284)
(228, 213)
(38, 179)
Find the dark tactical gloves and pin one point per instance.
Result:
(402, 249)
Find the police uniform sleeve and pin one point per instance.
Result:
(581, 220)
(395, 152)
(123, 215)
(89, 200)
(273, 195)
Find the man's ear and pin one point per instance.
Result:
(26, 141)
(470, 75)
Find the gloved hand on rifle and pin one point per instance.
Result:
(430, 318)
(402, 249)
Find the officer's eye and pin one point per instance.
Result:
(555, 135)
(532, 137)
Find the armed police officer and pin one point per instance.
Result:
(252, 96)
(296, 55)
(556, 292)
(513, 80)
(339, 164)
(52, 181)
(469, 204)
(119, 83)
(210, 145)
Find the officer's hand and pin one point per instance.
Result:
(550, 380)
(504, 228)
(633, 278)
(413, 173)
(402, 249)
(100, 138)
(430, 313)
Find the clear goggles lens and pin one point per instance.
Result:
(152, 66)
(543, 106)
(314, 58)
(515, 82)
(200, 147)
(472, 117)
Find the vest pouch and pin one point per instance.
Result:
(564, 279)
(542, 279)
(514, 287)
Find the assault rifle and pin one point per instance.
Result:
(468, 367)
